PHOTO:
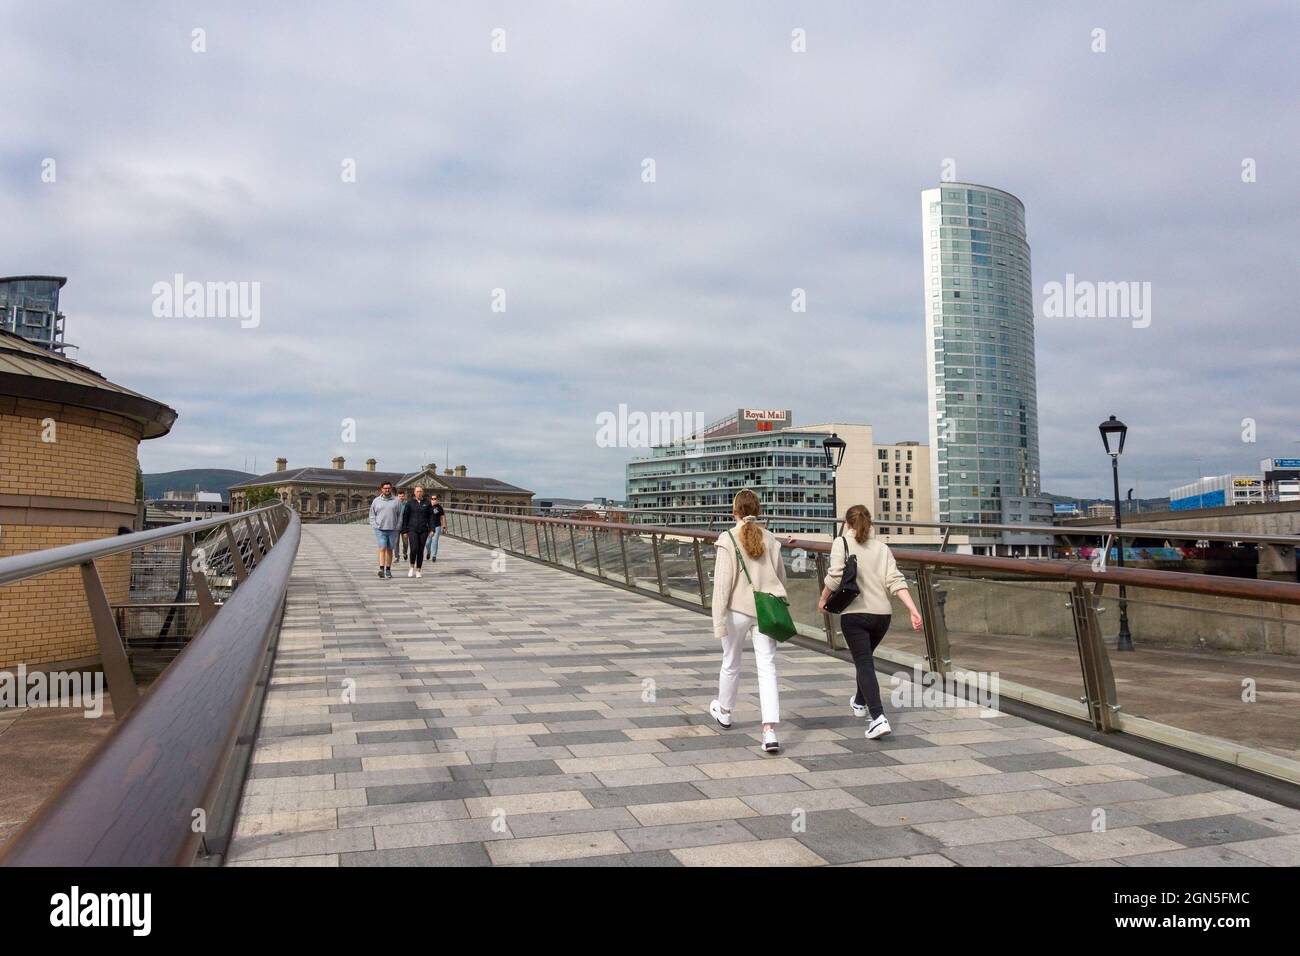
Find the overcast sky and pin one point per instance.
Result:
(522, 170)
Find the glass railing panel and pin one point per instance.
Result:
(1222, 667)
(678, 558)
(1019, 629)
(586, 538)
(900, 638)
(641, 561)
(803, 590)
(611, 558)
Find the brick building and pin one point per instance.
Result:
(317, 493)
(68, 444)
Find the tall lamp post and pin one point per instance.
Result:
(1114, 428)
(833, 447)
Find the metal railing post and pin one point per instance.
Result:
(627, 568)
(1098, 680)
(236, 558)
(595, 547)
(207, 606)
(938, 655)
(659, 567)
(254, 545)
(112, 655)
(828, 622)
(699, 573)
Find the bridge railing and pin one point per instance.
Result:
(164, 783)
(1032, 627)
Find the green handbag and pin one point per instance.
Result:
(772, 610)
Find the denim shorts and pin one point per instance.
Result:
(386, 539)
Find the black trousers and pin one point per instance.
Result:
(416, 543)
(864, 632)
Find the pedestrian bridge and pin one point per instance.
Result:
(539, 697)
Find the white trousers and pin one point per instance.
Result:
(739, 627)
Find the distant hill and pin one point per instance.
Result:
(207, 479)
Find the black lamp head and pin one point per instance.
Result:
(834, 447)
(1113, 427)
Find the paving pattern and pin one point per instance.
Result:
(501, 712)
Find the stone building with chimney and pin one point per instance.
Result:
(317, 493)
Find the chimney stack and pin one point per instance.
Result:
(338, 463)
(370, 464)
(447, 471)
(460, 471)
(281, 464)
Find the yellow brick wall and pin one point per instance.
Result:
(44, 620)
(83, 461)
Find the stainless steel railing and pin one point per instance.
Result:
(164, 783)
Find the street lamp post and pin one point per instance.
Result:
(833, 447)
(1113, 427)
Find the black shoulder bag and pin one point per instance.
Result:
(848, 590)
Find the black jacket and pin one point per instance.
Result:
(417, 516)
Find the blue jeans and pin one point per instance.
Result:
(385, 539)
(431, 549)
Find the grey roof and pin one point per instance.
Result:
(29, 371)
(321, 476)
(349, 476)
(466, 483)
(61, 280)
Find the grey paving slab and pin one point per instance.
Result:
(674, 835)
(507, 726)
(1008, 853)
(454, 854)
(646, 858)
(1205, 831)
(912, 791)
(426, 792)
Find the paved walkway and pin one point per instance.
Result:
(534, 717)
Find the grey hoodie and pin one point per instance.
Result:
(386, 513)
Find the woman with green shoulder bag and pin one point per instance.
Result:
(749, 602)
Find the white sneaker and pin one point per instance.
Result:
(419, 573)
(878, 728)
(723, 719)
(859, 710)
(770, 744)
(410, 573)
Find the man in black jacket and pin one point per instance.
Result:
(417, 521)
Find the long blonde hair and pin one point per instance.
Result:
(859, 519)
(746, 505)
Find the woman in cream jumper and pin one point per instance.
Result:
(865, 621)
(734, 617)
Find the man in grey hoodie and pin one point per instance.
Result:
(386, 520)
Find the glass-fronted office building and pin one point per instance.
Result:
(981, 379)
(29, 306)
(693, 483)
